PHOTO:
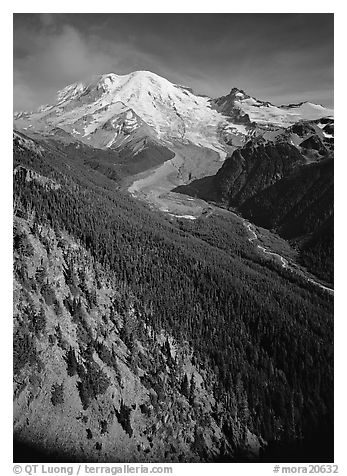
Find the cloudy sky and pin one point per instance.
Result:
(278, 57)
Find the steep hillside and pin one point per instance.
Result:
(93, 380)
(301, 207)
(252, 169)
(297, 204)
(283, 181)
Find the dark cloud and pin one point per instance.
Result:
(282, 58)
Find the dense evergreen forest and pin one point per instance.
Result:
(273, 186)
(266, 334)
(300, 207)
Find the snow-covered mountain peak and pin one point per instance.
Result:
(308, 110)
(244, 108)
(108, 84)
(173, 113)
(97, 112)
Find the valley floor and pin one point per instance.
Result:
(155, 187)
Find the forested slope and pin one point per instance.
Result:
(274, 186)
(257, 332)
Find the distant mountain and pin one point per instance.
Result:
(112, 110)
(245, 109)
(147, 121)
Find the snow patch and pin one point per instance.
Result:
(187, 217)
